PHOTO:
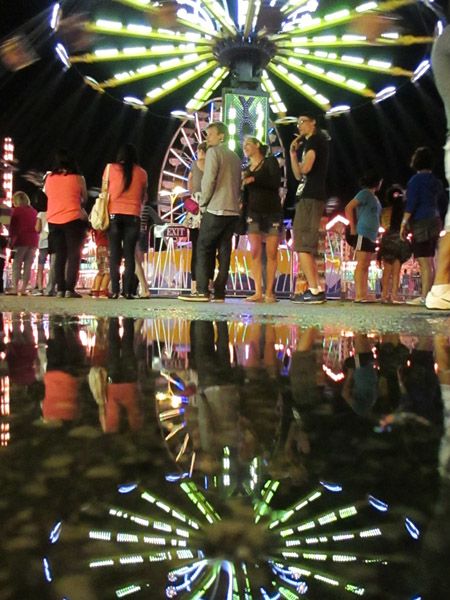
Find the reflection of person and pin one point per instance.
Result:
(122, 388)
(66, 191)
(439, 296)
(361, 377)
(65, 365)
(127, 191)
(422, 214)
(261, 181)
(220, 204)
(23, 239)
(364, 231)
(311, 172)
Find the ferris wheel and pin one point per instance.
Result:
(334, 55)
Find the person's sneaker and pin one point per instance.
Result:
(419, 301)
(195, 297)
(38, 292)
(217, 299)
(434, 302)
(309, 298)
(70, 294)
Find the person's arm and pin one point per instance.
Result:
(209, 179)
(38, 225)
(304, 167)
(350, 214)
(83, 189)
(404, 227)
(190, 183)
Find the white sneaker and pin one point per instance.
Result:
(416, 302)
(438, 302)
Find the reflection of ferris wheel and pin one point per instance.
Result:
(178, 543)
(182, 151)
(332, 55)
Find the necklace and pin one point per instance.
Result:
(258, 165)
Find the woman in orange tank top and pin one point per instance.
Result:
(66, 192)
(127, 190)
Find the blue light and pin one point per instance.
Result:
(378, 504)
(412, 529)
(173, 477)
(55, 533)
(47, 573)
(331, 487)
(126, 489)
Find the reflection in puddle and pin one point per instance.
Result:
(252, 460)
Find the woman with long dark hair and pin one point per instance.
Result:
(66, 191)
(128, 191)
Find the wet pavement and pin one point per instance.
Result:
(223, 451)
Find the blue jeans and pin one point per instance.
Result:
(123, 234)
(216, 233)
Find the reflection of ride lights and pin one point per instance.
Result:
(375, 532)
(338, 110)
(55, 533)
(54, 19)
(62, 54)
(378, 504)
(126, 489)
(385, 93)
(337, 219)
(421, 70)
(47, 572)
(332, 375)
(412, 529)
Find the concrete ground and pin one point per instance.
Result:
(335, 314)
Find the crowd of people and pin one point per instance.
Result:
(228, 199)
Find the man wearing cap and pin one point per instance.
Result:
(312, 144)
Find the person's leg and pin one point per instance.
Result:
(271, 268)
(193, 236)
(426, 273)
(210, 230)
(443, 260)
(28, 259)
(139, 259)
(49, 290)
(19, 255)
(306, 238)
(224, 253)
(362, 274)
(40, 269)
(115, 233)
(255, 240)
(387, 272)
(74, 232)
(2, 273)
(309, 267)
(130, 237)
(395, 280)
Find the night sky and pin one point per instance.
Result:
(43, 107)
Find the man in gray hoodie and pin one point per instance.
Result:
(221, 184)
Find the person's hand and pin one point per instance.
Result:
(248, 180)
(404, 231)
(295, 144)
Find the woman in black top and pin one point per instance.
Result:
(261, 183)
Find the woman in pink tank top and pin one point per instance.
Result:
(67, 220)
(128, 191)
